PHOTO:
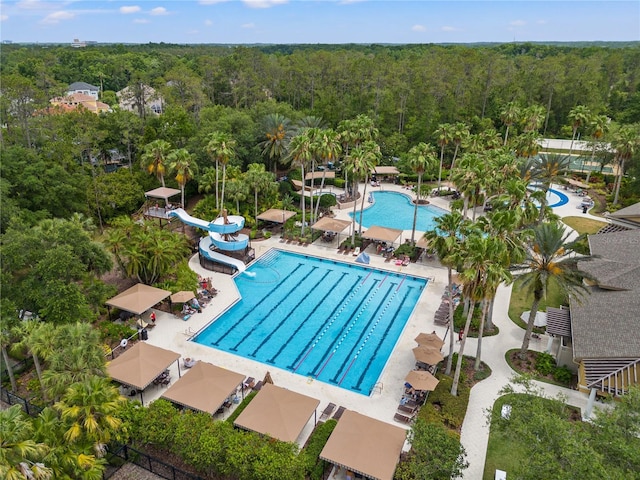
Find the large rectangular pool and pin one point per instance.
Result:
(332, 321)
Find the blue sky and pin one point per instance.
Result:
(321, 21)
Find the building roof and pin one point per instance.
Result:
(141, 364)
(82, 86)
(629, 215)
(328, 224)
(604, 323)
(382, 234)
(558, 321)
(365, 445)
(386, 170)
(276, 215)
(138, 299)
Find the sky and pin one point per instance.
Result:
(318, 21)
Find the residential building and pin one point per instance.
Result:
(83, 88)
(141, 99)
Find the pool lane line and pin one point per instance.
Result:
(358, 308)
(338, 309)
(325, 364)
(401, 282)
(384, 336)
(241, 319)
(365, 278)
(385, 277)
(293, 309)
(375, 318)
(272, 360)
(259, 322)
(345, 373)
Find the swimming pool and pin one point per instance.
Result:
(330, 321)
(395, 210)
(555, 198)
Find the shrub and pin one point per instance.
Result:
(563, 375)
(545, 363)
(338, 182)
(236, 413)
(442, 407)
(114, 332)
(267, 234)
(318, 439)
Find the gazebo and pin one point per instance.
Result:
(138, 299)
(333, 225)
(205, 387)
(382, 234)
(156, 210)
(278, 413)
(275, 215)
(141, 365)
(365, 445)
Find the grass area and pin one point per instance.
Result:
(521, 301)
(584, 225)
(531, 371)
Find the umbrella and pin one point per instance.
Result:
(422, 380)
(540, 320)
(182, 297)
(430, 340)
(428, 355)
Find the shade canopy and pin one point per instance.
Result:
(138, 299)
(386, 170)
(430, 340)
(539, 321)
(205, 387)
(422, 380)
(182, 296)
(140, 365)
(422, 243)
(314, 175)
(328, 224)
(365, 445)
(276, 215)
(278, 413)
(382, 234)
(577, 183)
(428, 355)
(162, 192)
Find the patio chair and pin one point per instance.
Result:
(406, 409)
(406, 261)
(338, 414)
(327, 411)
(258, 386)
(249, 383)
(399, 417)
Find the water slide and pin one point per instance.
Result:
(222, 234)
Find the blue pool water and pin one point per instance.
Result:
(395, 210)
(331, 321)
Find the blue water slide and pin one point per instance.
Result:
(223, 235)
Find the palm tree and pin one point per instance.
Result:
(510, 115)
(369, 159)
(443, 133)
(527, 145)
(360, 161)
(598, 126)
(533, 117)
(35, 336)
(299, 150)
(421, 158)
(549, 259)
(470, 179)
(20, 456)
(578, 116)
(459, 135)
(90, 409)
(222, 147)
(445, 240)
(277, 131)
(154, 158)
(327, 147)
(237, 191)
(259, 180)
(10, 320)
(181, 161)
(548, 169)
(625, 142)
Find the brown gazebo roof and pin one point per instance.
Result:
(314, 175)
(141, 364)
(277, 412)
(422, 380)
(276, 215)
(162, 192)
(327, 224)
(138, 299)
(365, 445)
(386, 170)
(205, 387)
(383, 234)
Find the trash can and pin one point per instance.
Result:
(144, 335)
(584, 209)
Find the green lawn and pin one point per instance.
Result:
(583, 225)
(522, 301)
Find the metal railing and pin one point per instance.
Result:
(149, 463)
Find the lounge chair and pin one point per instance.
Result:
(327, 411)
(406, 261)
(406, 409)
(356, 252)
(142, 324)
(398, 417)
(249, 383)
(257, 386)
(338, 414)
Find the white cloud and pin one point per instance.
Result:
(4, 17)
(34, 5)
(447, 28)
(142, 20)
(130, 9)
(159, 11)
(518, 23)
(349, 2)
(211, 2)
(208, 23)
(57, 17)
(419, 28)
(263, 3)
(248, 25)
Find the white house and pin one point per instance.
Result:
(84, 88)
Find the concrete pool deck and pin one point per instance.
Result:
(173, 333)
